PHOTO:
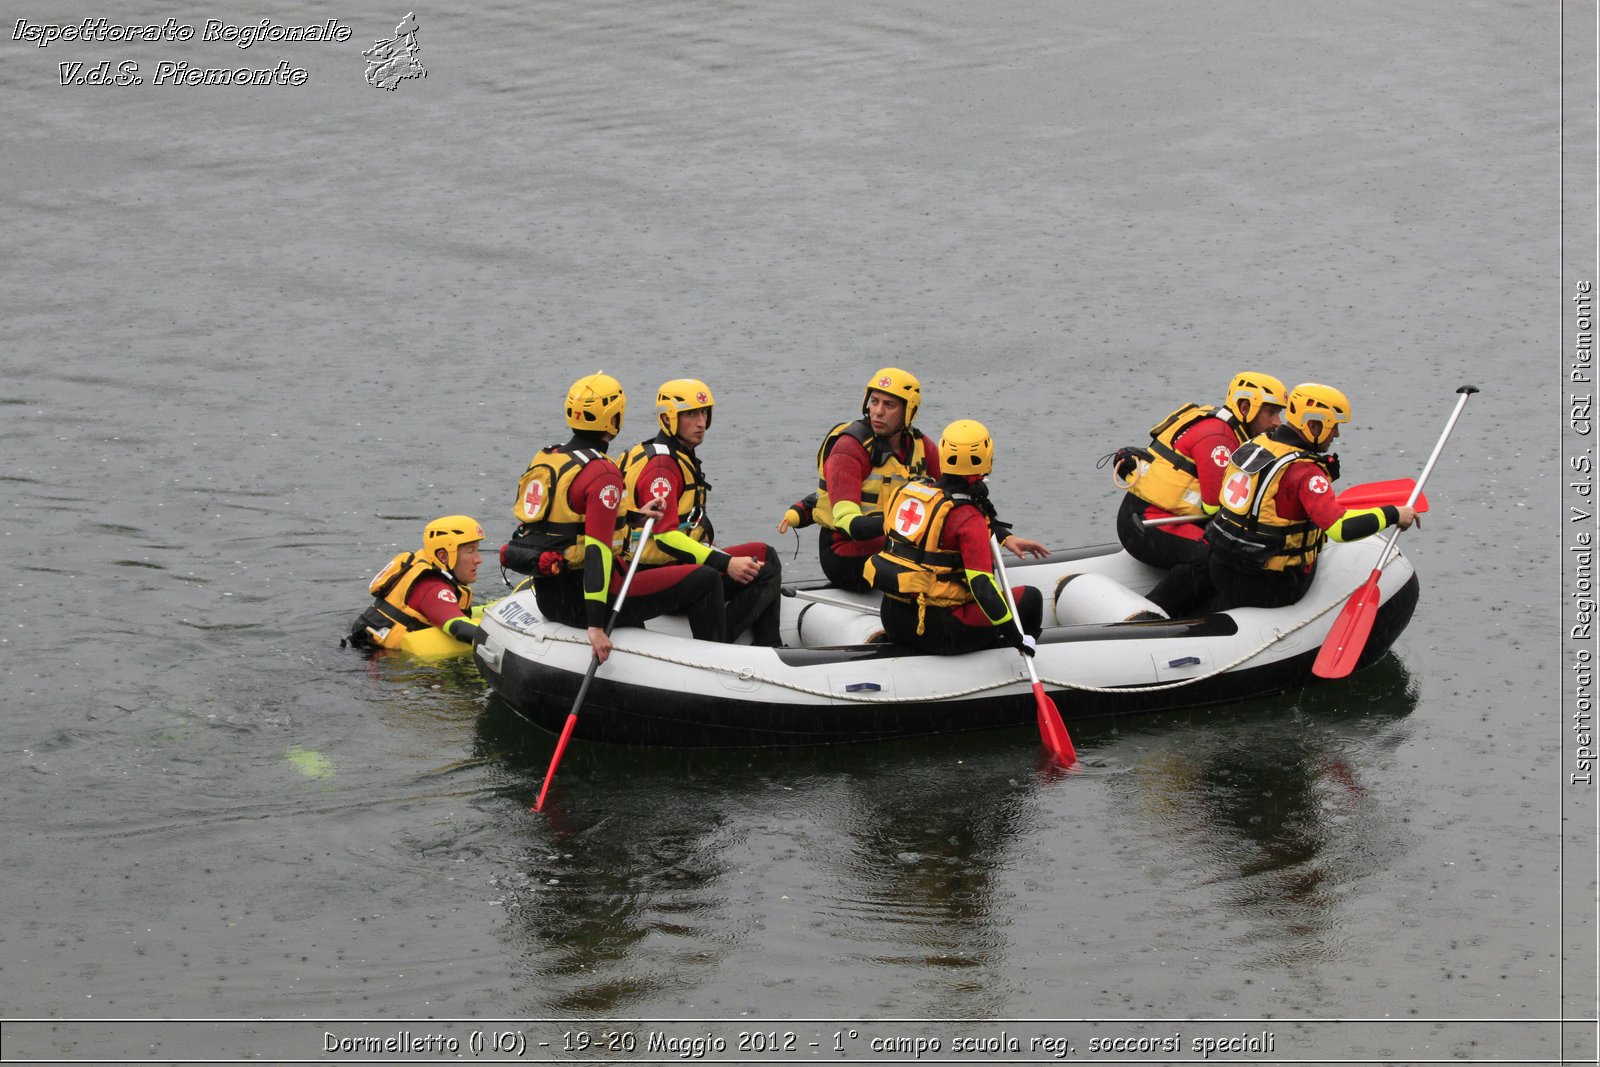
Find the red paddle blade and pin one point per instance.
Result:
(1348, 637)
(1395, 491)
(1052, 731)
(555, 760)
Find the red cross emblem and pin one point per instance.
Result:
(1220, 454)
(533, 499)
(702, 397)
(1238, 489)
(886, 381)
(610, 497)
(909, 518)
(1318, 484)
(660, 486)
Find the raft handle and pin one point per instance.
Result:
(1186, 661)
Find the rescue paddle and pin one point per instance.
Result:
(1052, 731)
(802, 594)
(594, 665)
(1365, 495)
(1348, 637)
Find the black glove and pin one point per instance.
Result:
(1331, 462)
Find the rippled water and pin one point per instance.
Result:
(254, 338)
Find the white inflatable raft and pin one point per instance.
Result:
(837, 681)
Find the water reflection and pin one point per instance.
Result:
(902, 868)
(1265, 808)
(652, 867)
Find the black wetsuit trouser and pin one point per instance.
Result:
(680, 589)
(1187, 584)
(944, 633)
(844, 572)
(1244, 586)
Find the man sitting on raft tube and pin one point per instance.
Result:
(937, 567)
(428, 588)
(859, 464)
(1278, 504)
(1180, 473)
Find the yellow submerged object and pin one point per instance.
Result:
(434, 644)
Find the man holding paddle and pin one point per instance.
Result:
(572, 529)
(937, 567)
(1180, 474)
(1277, 505)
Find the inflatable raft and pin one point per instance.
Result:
(1105, 651)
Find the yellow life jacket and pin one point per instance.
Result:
(1170, 480)
(389, 618)
(544, 508)
(1248, 528)
(911, 566)
(692, 518)
(888, 469)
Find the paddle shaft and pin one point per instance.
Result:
(802, 594)
(1347, 637)
(594, 665)
(1052, 729)
(1005, 591)
(1466, 392)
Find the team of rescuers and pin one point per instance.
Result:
(897, 513)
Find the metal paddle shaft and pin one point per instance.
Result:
(1052, 730)
(594, 665)
(1342, 648)
(804, 594)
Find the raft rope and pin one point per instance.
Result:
(749, 674)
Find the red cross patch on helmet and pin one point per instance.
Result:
(702, 397)
(886, 381)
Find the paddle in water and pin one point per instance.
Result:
(594, 665)
(1052, 730)
(1342, 648)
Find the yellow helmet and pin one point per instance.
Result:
(450, 533)
(682, 395)
(965, 447)
(1255, 387)
(900, 384)
(1314, 410)
(596, 402)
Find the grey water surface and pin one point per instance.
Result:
(255, 336)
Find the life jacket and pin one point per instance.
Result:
(1168, 479)
(1248, 528)
(692, 517)
(888, 469)
(544, 508)
(389, 618)
(911, 567)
